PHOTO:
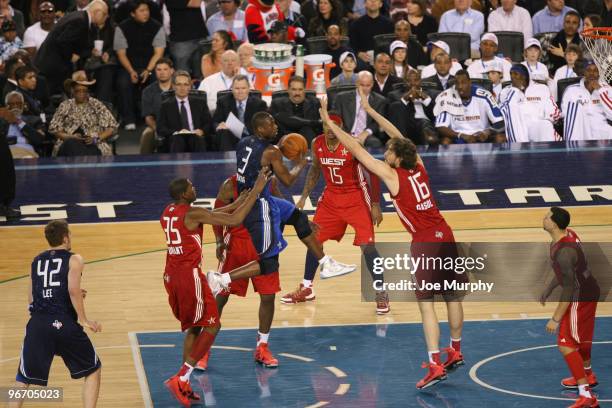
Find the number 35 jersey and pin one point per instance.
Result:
(184, 246)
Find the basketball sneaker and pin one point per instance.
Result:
(332, 268)
(202, 365)
(181, 390)
(454, 358)
(436, 374)
(264, 356)
(382, 303)
(585, 402)
(215, 282)
(301, 294)
(570, 382)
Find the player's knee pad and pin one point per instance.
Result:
(299, 220)
(268, 265)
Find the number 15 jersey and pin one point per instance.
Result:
(184, 246)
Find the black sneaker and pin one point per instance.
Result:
(9, 212)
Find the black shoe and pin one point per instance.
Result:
(9, 212)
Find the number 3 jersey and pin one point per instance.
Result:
(50, 283)
(184, 246)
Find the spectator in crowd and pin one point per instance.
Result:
(292, 17)
(10, 82)
(184, 120)
(329, 12)
(37, 32)
(279, 33)
(510, 17)
(592, 20)
(442, 77)
(537, 70)
(607, 14)
(151, 104)
(222, 80)
(463, 19)
(82, 124)
(259, 17)
(355, 118)
(297, 113)
(67, 42)
(10, 43)
(495, 74)
(211, 62)
(123, 8)
(246, 51)
(415, 54)
(421, 22)
(25, 133)
(488, 56)
(384, 80)
(78, 5)
(347, 64)
(467, 114)
(187, 28)
(398, 10)
(101, 65)
(413, 113)
(528, 110)
(363, 30)
(436, 48)
(139, 42)
(308, 9)
(8, 13)
(573, 56)
(229, 18)
(397, 50)
(439, 7)
(336, 49)
(8, 180)
(26, 86)
(587, 107)
(239, 104)
(569, 35)
(550, 18)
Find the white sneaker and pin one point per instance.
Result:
(130, 126)
(331, 268)
(215, 282)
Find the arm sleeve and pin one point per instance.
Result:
(159, 41)
(606, 101)
(443, 120)
(119, 42)
(569, 105)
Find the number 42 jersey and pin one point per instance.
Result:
(184, 246)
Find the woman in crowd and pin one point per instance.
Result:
(211, 62)
(421, 22)
(329, 12)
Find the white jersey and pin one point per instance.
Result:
(478, 68)
(430, 70)
(587, 116)
(481, 112)
(561, 73)
(537, 72)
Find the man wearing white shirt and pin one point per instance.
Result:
(36, 33)
(510, 17)
(488, 57)
(439, 47)
(229, 18)
(221, 81)
(463, 19)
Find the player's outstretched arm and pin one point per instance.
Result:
(385, 125)
(76, 294)
(273, 157)
(312, 178)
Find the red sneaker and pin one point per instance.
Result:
(202, 365)
(436, 374)
(382, 303)
(264, 356)
(181, 390)
(301, 294)
(570, 382)
(585, 402)
(454, 358)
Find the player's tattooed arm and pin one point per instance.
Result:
(76, 294)
(384, 124)
(312, 178)
(273, 157)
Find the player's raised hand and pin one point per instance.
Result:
(93, 325)
(377, 215)
(365, 104)
(323, 111)
(262, 179)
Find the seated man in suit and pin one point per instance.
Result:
(243, 106)
(297, 113)
(24, 134)
(412, 114)
(384, 81)
(355, 118)
(184, 120)
(442, 78)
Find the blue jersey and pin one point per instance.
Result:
(248, 161)
(50, 283)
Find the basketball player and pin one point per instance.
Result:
(574, 316)
(264, 221)
(403, 173)
(56, 308)
(189, 295)
(346, 200)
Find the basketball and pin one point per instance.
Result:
(293, 145)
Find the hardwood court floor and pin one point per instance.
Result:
(126, 293)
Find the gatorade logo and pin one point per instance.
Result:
(318, 75)
(274, 80)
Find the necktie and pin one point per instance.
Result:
(184, 117)
(241, 111)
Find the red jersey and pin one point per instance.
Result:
(414, 202)
(184, 246)
(585, 282)
(342, 172)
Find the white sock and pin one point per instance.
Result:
(431, 353)
(584, 391)
(226, 278)
(307, 283)
(262, 337)
(185, 377)
(324, 259)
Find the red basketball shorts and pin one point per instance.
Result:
(577, 325)
(335, 211)
(190, 297)
(240, 251)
